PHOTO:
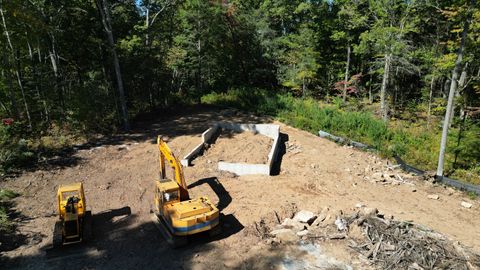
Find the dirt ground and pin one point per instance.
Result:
(118, 175)
(244, 147)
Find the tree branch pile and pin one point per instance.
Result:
(404, 245)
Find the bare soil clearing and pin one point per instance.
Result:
(243, 147)
(118, 177)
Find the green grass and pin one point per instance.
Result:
(413, 142)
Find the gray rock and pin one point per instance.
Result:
(369, 211)
(285, 235)
(302, 233)
(321, 217)
(279, 231)
(467, 205)
(305, 217)
(359, 205)
(341, 224)
(433, 197)
(293, 224)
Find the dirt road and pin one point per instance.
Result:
(118, 174)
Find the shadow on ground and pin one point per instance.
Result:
(123, 240)
(186, 120)
(10, 237)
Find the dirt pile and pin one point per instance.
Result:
(239, 147)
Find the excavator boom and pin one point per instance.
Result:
(166, 154)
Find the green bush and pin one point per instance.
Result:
(14, 151)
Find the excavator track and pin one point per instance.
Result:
(173, 240)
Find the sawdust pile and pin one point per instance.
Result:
(240, 147)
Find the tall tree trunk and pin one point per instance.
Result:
(11, 91)
(36, 82)
(17, 70)
(304, 88)
(453, 88)
(107, 24)
(58, 88)
(44, 100)
(383, 90)
(147, 26)
(430, 96)
(370, 95)
(347, 67)
(460, 84)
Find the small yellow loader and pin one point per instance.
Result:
(176, 215)
(75, 222)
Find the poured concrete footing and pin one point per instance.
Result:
(269, 130)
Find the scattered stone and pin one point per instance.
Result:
(302, 233)
(293, 224)
(123, 147)
(341, 224)
(377, 176)
(97, 148)
(369, 211)
(276, 232)
(414, 190)
(467, 205)
(388, 175)
(337, 236)
(321, 217)
(359, 205)
(285, 235)
(415, 266)
(433, 197)
(305, 217)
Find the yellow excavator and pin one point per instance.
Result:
(176, 215)
(75, 222)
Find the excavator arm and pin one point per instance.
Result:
(166, 154)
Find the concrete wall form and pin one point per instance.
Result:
(272, 131)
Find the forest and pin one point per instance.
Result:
(381, 72)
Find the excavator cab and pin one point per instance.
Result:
(74, 224)
(176, 214)
(166, 192)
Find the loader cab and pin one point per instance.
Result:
(71, 201)
(72, 211)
